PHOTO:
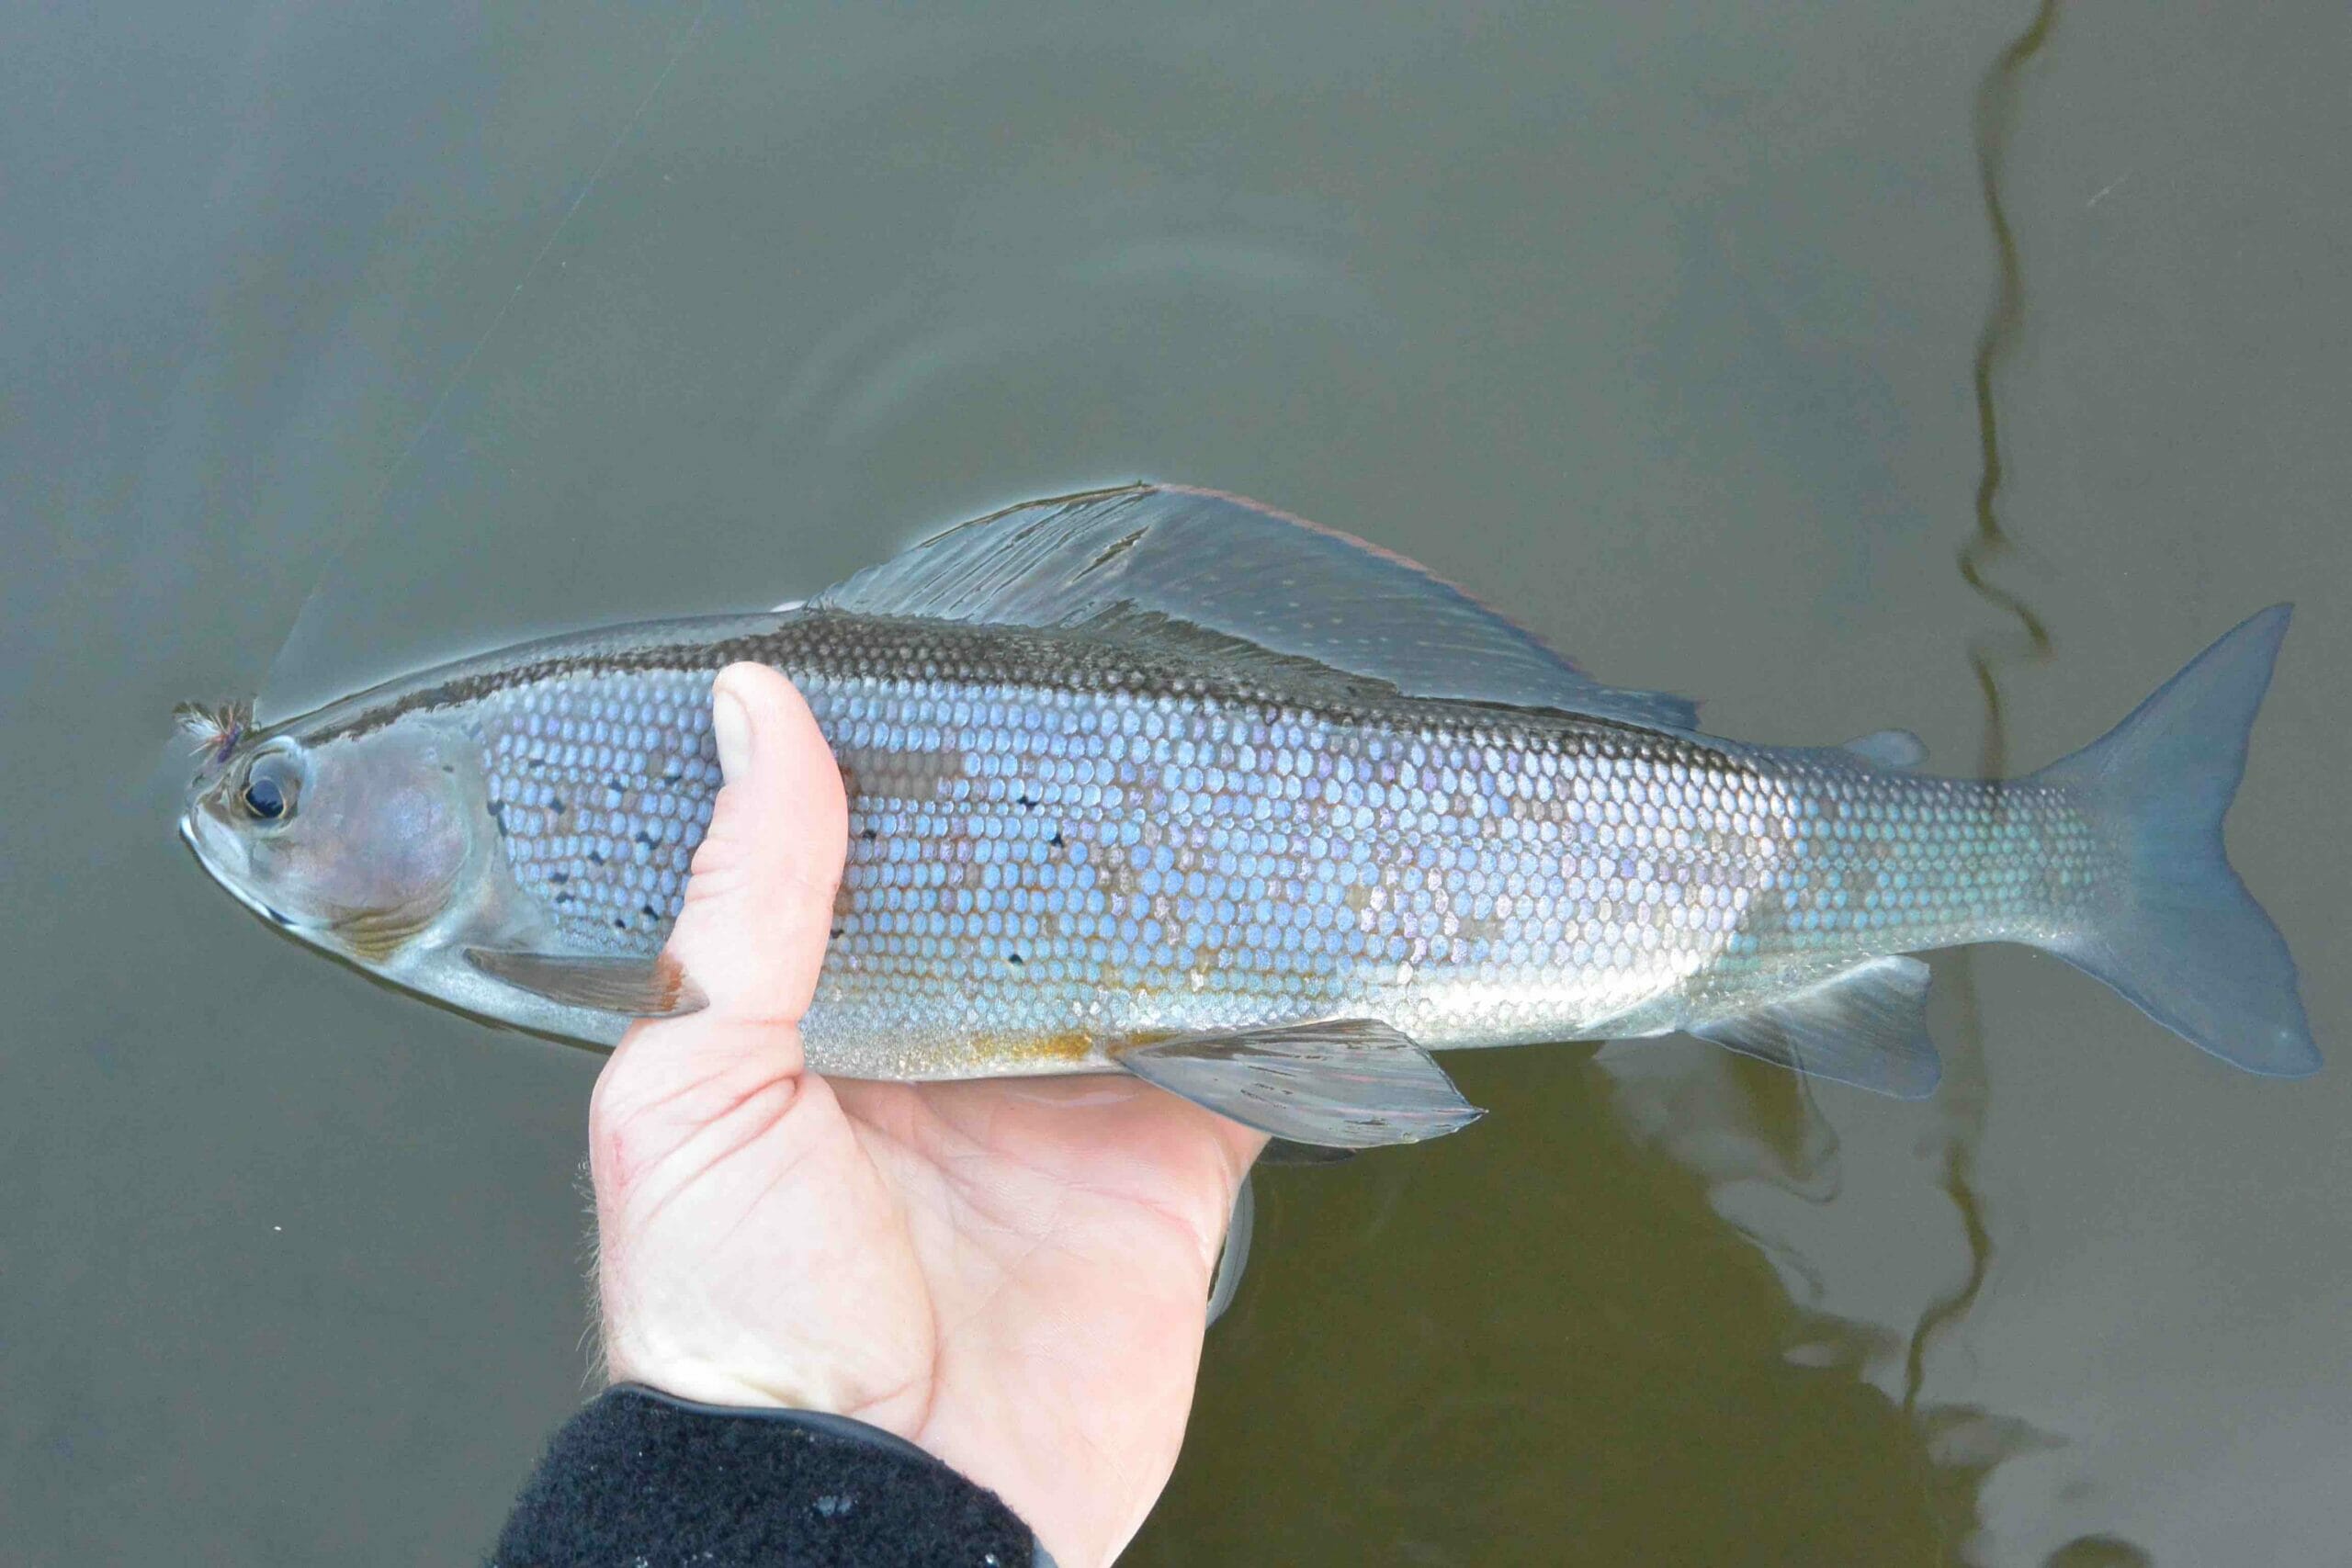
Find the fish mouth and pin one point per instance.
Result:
(259, 905)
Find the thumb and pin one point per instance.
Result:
(759, 901)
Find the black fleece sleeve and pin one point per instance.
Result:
(641, 1480)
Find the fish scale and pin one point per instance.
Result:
(1107, 848)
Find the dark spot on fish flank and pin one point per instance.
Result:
(645, 838)
(559, 877)
(648, 911)
(1013, 958)
(558, 805)
(837, 933)
(868, 834)
(595, 857)
(1056, 839)
(619, 924)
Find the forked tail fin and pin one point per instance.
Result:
(2186, 943)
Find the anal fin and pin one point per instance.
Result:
(635, 988)
(1865, 1026)
(1342, 1083)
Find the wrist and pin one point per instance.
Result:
(704, 1363)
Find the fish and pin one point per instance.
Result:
(1159, 781)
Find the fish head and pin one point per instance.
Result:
(356, 839)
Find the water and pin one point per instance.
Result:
(1677, 331)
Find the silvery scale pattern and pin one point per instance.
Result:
(1056, 841)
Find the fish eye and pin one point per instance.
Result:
(265, 799)
(269, 790)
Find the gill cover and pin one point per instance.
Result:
(357, 841)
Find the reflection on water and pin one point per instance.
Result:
(1736, 1126)
(1998, 108)
(1731, 1123)
(1513, 1391)
(1963, 1098)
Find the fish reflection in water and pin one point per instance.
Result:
(1156, 781)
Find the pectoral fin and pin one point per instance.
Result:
(636, 988)
(1865, 1026)
(1343, 1083)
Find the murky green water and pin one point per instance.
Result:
(1678, 330)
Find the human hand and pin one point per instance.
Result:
(1011, 1273)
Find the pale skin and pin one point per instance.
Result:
(1013, 1274)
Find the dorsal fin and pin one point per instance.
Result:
(1104, 559)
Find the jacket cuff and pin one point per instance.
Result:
(640, 1477)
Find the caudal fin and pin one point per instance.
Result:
(2186, 943)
